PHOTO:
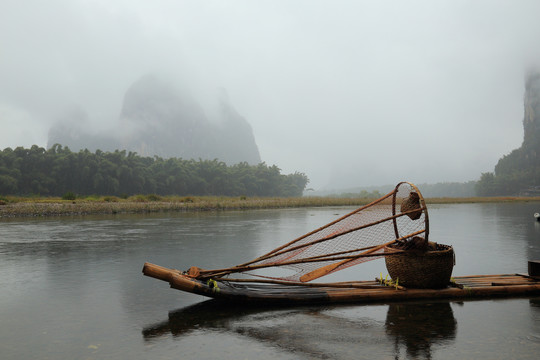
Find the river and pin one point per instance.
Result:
(72, 288)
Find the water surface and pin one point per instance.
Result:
(72, 288)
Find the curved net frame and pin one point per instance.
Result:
(350, 240)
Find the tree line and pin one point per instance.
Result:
(58, 170)
(517, 173)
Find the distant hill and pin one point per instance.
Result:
(518, 173)
(157, 119)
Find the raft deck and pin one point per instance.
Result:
(462, 287)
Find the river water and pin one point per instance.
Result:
(72, 288)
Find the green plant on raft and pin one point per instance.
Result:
(388, 282)
(212, 284)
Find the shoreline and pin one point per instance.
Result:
(54, 207)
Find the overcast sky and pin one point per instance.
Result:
(352, 93)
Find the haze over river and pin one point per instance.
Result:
(72, 288)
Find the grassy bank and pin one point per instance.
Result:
(39, 207)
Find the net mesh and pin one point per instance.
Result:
(352, 239)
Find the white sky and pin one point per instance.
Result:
(352, 93)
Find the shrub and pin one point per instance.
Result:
(138, 198)
(69, 196)
(153, 197)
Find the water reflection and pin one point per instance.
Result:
(412, 328)
(519, 228)
(488, 238)
(210, 314)
(419, 326)
(534, 318)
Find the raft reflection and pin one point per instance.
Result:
(210, 314)
(326, 332)
(418, 326)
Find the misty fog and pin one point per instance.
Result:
(352, 93)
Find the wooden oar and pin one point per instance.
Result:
(317, 273)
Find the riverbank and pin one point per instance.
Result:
(43, 207)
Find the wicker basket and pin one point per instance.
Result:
(422, 270)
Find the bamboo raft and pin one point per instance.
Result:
(462, 287)
(395, 227)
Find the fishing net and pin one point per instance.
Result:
(359, 236)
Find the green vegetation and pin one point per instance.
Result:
(61, 172)
(15, 206)
(518, 173)
(68, 196)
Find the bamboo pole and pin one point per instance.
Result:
(482, 276)
(321, 228)
(355, 285)
(321, 258)
(317, 273)
(317, 258)
(247, 266)
(333, 236)
(345, 259)
(286, 248)
(511, 283)
(159, 272)
(360, 291)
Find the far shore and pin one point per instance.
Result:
(11, 207)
